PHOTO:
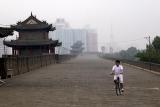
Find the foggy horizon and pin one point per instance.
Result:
(128, 21)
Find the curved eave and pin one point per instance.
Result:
(30, 43)
(4, 32)
(59, 44)
(33, 28)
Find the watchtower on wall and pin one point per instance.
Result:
(33, 38)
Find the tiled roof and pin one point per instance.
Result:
(32, 23)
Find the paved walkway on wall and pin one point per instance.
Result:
(82, 82)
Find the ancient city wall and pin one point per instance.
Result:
(15, 65)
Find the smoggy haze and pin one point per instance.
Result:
(130, 19)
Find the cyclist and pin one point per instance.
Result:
(117, 70)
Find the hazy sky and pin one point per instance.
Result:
(131, 20)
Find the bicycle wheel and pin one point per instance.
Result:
(117, 89)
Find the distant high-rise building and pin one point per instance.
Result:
(61, 24)
(68, 36)
(4, 49)
(92, 45)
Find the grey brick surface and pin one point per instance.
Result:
(82, 82)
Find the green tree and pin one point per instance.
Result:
(152, 52)
(125, 54)
(156, 43)
(129, 53)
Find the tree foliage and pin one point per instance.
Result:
(128, 54)
(77, 48)
(156, 43)
(152, 52)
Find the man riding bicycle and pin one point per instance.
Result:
(117, 70)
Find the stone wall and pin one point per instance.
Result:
(15, 65)
(145, 65)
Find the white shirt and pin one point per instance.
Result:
(117, 69)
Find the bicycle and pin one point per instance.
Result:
(118, 87)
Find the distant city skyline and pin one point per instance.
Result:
(70, 35)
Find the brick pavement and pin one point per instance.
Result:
(81, 82)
